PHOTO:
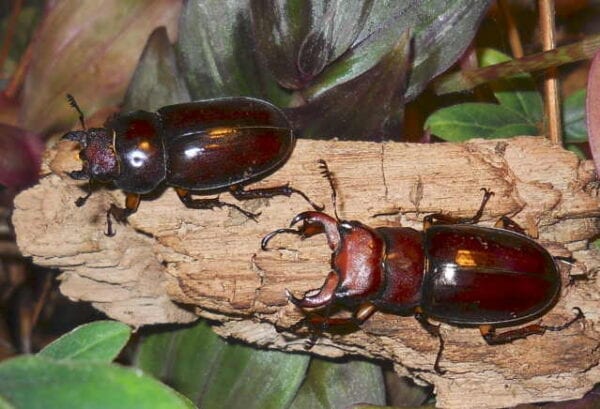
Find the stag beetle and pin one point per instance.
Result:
(203, 147)
(453, 271)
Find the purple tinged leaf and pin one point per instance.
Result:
(367, 107)
(332, 35)
(21, 157)
(361, 58)
(443, 31)
(88, 49)
(215, 49)
(156, 81)
(593, 110)
(280, 28)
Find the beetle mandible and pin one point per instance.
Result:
(453, 271)
(201, 147)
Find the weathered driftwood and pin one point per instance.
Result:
(171, 264)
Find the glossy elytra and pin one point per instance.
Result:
(201, 147)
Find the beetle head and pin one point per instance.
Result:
(97, 154)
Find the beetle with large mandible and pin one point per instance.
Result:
(453, 271)
(201, 147)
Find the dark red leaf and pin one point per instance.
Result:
(21, 157)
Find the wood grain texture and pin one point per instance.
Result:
(171, 264)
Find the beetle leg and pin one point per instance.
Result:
(440, 218)
(81, 200)
(132, 201)
(507, 223)
(239, 193)
(434, 331)
(186, 197)
(319, 323)
(491, 337)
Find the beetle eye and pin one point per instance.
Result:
(82, 155)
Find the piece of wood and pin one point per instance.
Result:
(171, 263)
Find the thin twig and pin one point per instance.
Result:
(551, 97)
(514, 38)
(463, 80)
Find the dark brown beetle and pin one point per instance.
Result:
(204, 147)
(452, 271)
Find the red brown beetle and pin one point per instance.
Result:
(453, 271)
(200, 147)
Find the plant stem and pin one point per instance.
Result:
(511, 27)
(464, 80)
(551, 97)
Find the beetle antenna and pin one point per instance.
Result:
(329, 175)
(74, 104)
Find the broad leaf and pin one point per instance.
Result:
(88, 49)
(37, 382)
(156, 81)
(339, 385)
(441, 31)
(334, 33)
(21, 157)
(216, 374)
(215, 50)
(518, 93)
(279, 28)
(99, 341)
(477, 120)
(361, 58)
(369, 106)
(573, 118)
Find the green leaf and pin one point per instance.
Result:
(378, 93)
(443, 30)
(518, 93)
(216, 52)
(99, 341)
(360, 59)
(156, 81)
(4, 404)
(36, 382)
(477, 120)
(216, 374)
(332, 35)
(577, 151)
(573, 117)
(340, 385)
